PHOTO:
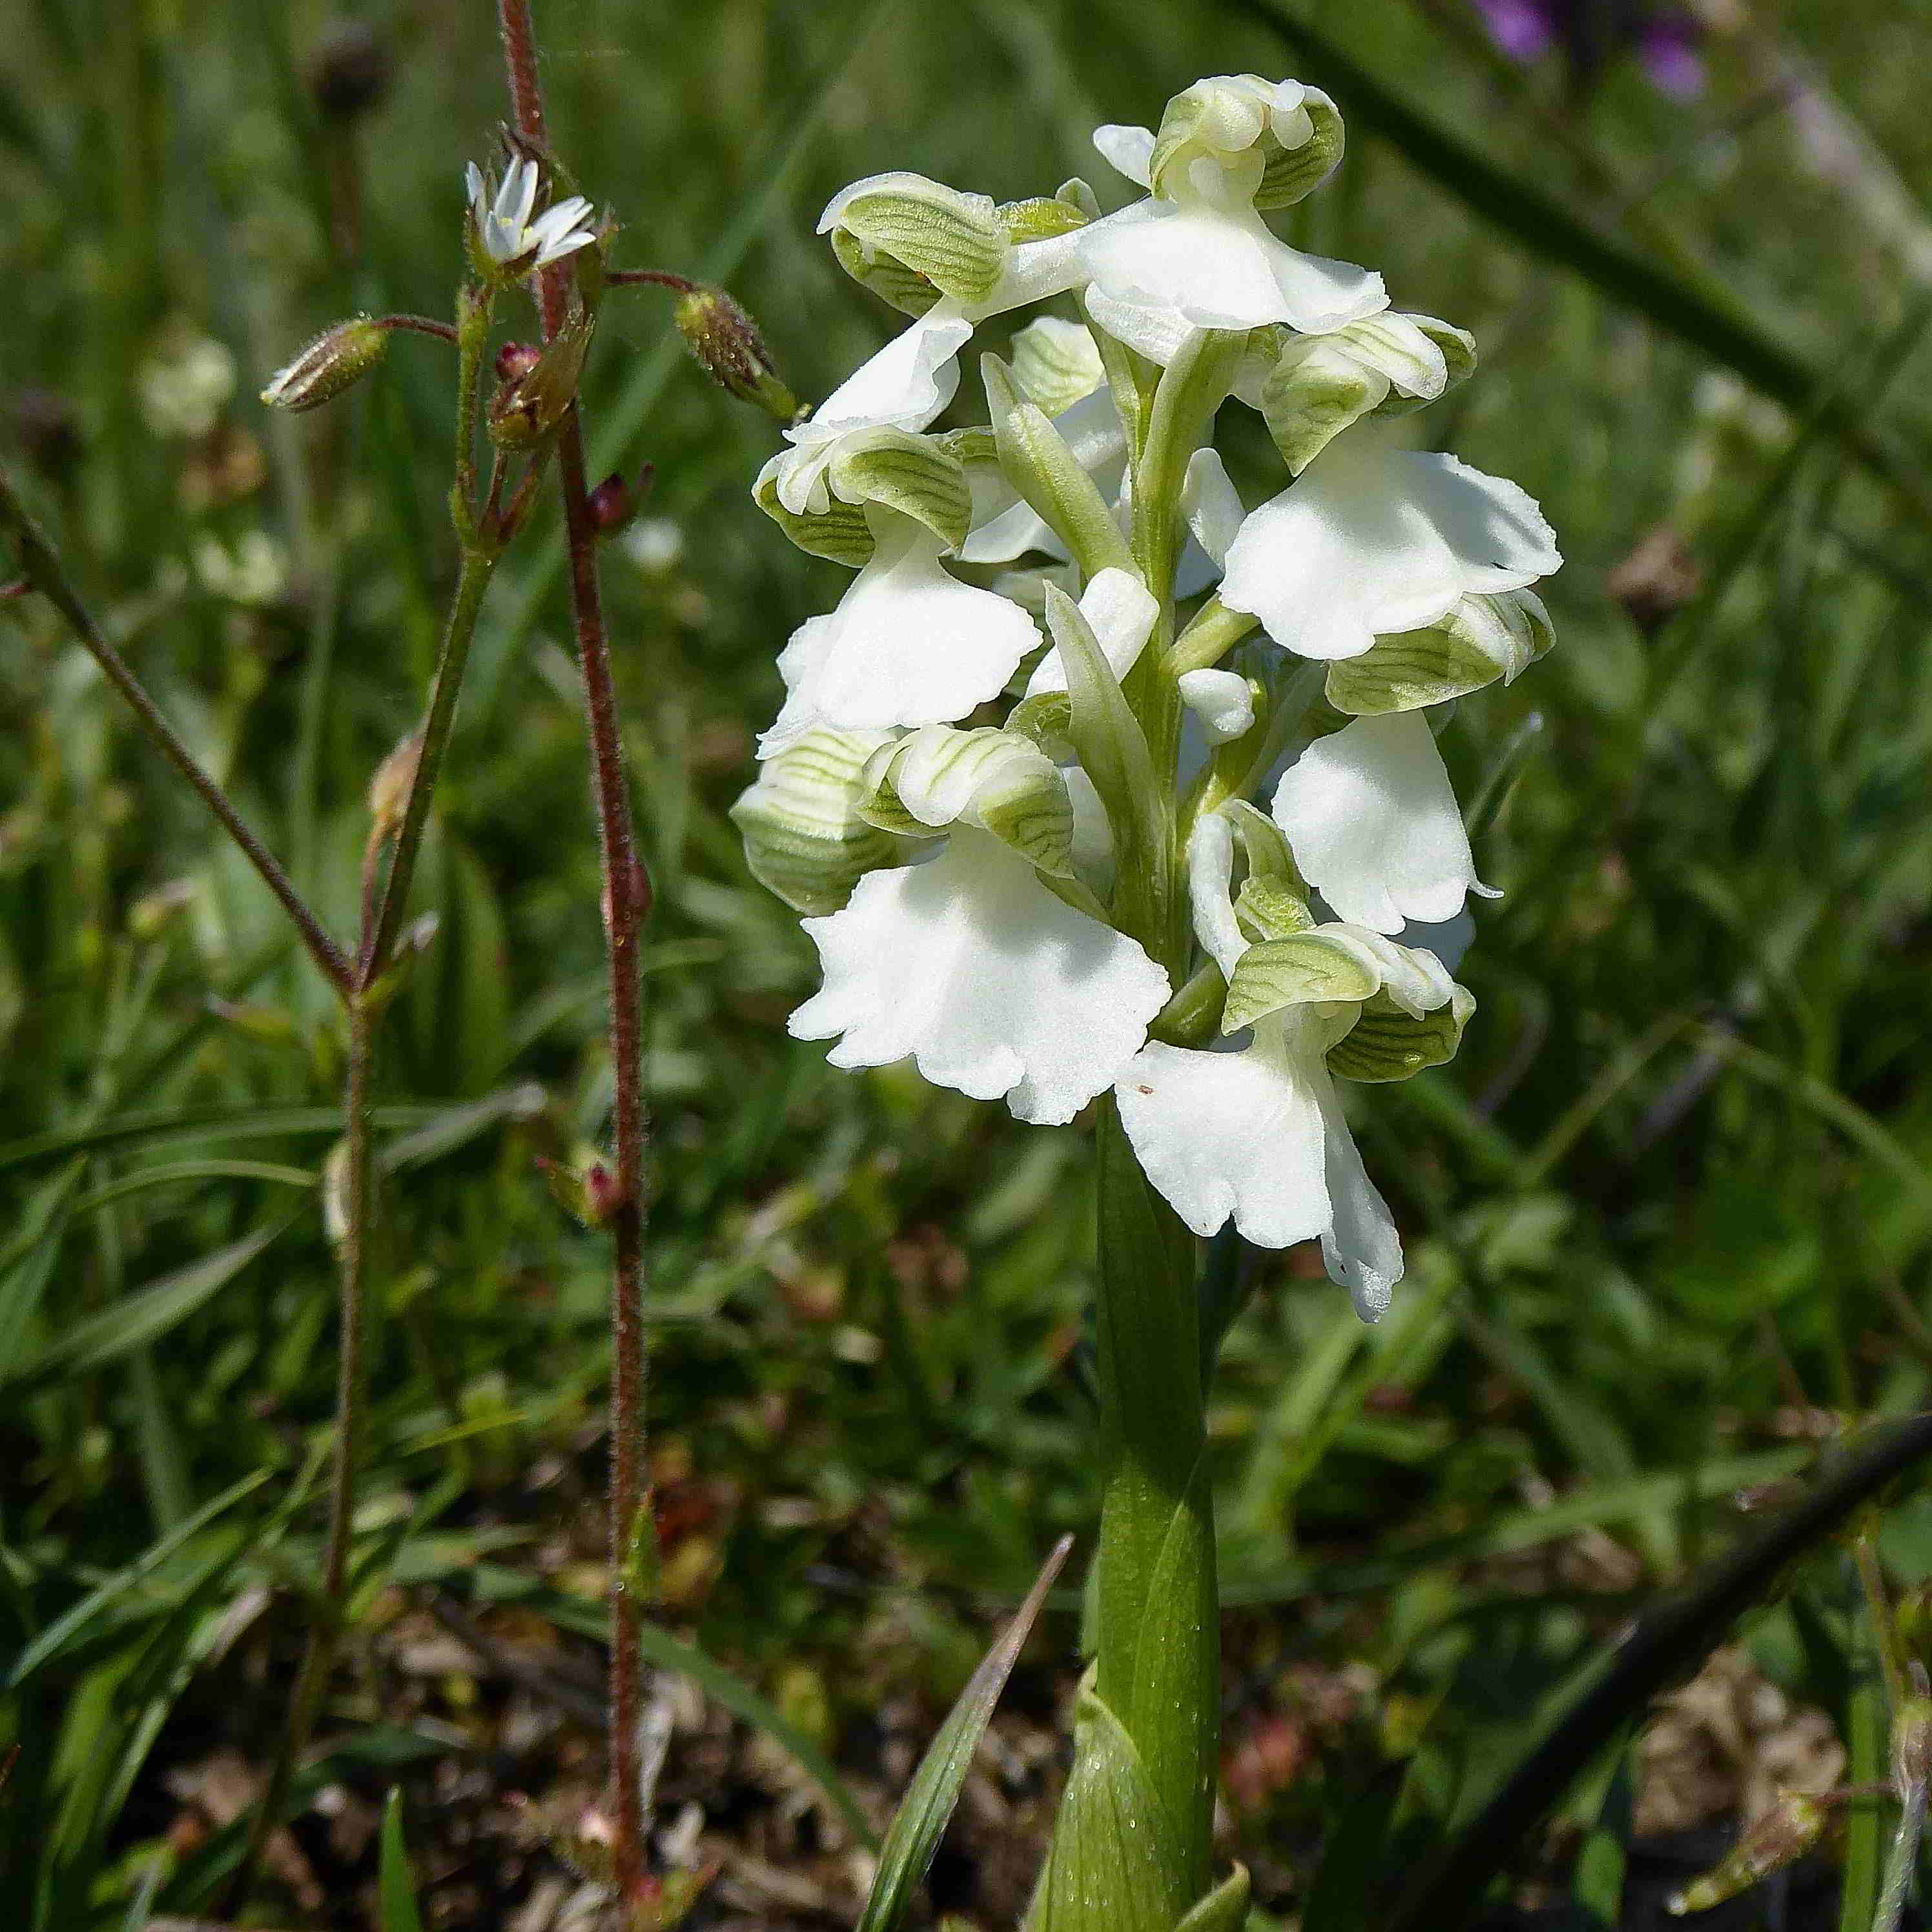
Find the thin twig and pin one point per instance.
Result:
(626, 894)
(42, 566)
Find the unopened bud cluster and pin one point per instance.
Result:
(1209, 862)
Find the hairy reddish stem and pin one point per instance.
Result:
(626, 899)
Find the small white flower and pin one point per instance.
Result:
(1370, 816)
(1223, 701)
(1197, 252)
(509, 235)
(908, 644)
(1374, 539)
(1257, 1135)
(1121, 613)
(970, 967)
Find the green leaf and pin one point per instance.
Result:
(1865, 1737)
(115, 1593)
(1668, 1643)
(28, 1262)
(396, 1887)
(1225, 1909)
(1354, 1858)
(921, 1820)
(139, 1318)
(1105, 1871)
(1696, 308)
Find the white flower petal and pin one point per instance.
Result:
(1223, 700)
(1092, 834)
(1373, 540)
(1491, 526)
(1226, 1135)
(1127, 151)
(905, 386)
(1210, 892)
(1373, 825)
(1211, 504)
(1121, 611)
(1222, 267)
(908, 644)
(992, 985)
(1360, 1249)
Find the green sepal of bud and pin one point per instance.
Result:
(725, 343)
(1268, 909)
(523, 412)
(997, 780)
(957, 241)
(1056, 363)
(390, 785)
(1386, 1043)
(338, 358)
(1303, 969)
(1046, 718)
(1483, 639)
(917, 476)
(884, 275)
(804, 839)
(1292, 174)
(1045, 471)
(840, 532)
(1385, 365)
(1228, 119)
(1780, 1836)
(913, 475)
(1040, 217)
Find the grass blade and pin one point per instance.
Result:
(139, 1318)
(396, 1888)
(921, 1820)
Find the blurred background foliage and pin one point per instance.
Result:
(1668, 1215)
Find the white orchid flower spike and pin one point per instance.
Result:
(968, 964)
(1374, 539)
(1374, 826)
(1196, 252)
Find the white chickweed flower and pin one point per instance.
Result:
(508, 236)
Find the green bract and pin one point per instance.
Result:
(1482, 639)
(804, 839)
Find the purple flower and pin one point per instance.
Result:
(1591, 32)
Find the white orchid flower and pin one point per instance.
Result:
(1373, 539)
(1374, 826)
(968, 964)
(1196, 252)
(908, 643)
(1258, 1136)
(506, 230)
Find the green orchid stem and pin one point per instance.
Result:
(1158, 1624)
(1157, 1634)
(1214, 630)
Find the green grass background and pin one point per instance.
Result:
(1672, 1195)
